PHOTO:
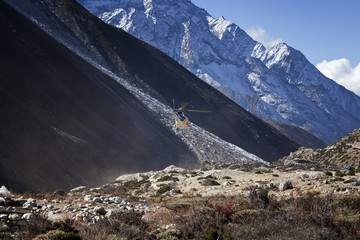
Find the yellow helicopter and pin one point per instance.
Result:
(181, 120)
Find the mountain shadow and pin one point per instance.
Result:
(64, 123)
(165, 79)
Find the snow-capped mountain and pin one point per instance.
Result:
(83, 101)
(277, 83)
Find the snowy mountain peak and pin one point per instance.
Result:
(218, 26)
(277, 83)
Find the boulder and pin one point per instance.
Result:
(97, 200)
(29, 204)
(227, 183)
(78, 189)
(285, 186)
(27, 216)
(312, 175)
(14, 217)
(87, 198)
(4, 192)
(173, 168)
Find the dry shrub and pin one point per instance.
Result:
(123, 225)
(33, 228)
(310, 216)
(228, 208)
(39, 227)
(259, 198)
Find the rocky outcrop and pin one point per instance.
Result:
(344, 152)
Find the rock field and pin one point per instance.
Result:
(146, 192)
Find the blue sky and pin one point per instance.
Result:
(327, 32)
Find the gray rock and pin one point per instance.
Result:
(27, 216)
(14, 217)
(129, 208)
(87, 198)
(78, 189)
(10, 209)
(270, 186)
(3, 216)
(4, 192)
(97, 200)
(2, 208)
(112, 212)
(285, 186)
(312, 175)
(263, 169)
(29, 204)
(227, 183)
(57, 217)
(5, 227)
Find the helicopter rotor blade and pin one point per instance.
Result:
(184, 105)
(194, 110)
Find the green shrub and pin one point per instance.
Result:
(211, 234)
(6, 236)
(163, 189)
(57, 235)
(132, 184)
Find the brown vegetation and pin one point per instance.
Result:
(260, 216)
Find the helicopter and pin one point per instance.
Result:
(181, 120)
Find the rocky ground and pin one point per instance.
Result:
(154, 197)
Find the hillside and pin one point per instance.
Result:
(156, 74)
(278, 83)
(65, 123)
(344, 152)
(297, 134)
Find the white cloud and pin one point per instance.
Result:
(259, 34)
(341, 72)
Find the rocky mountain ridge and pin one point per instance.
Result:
(344, 152)
(278, 83)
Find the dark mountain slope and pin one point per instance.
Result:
(64, 123)
(165, 79)
(298, 134)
